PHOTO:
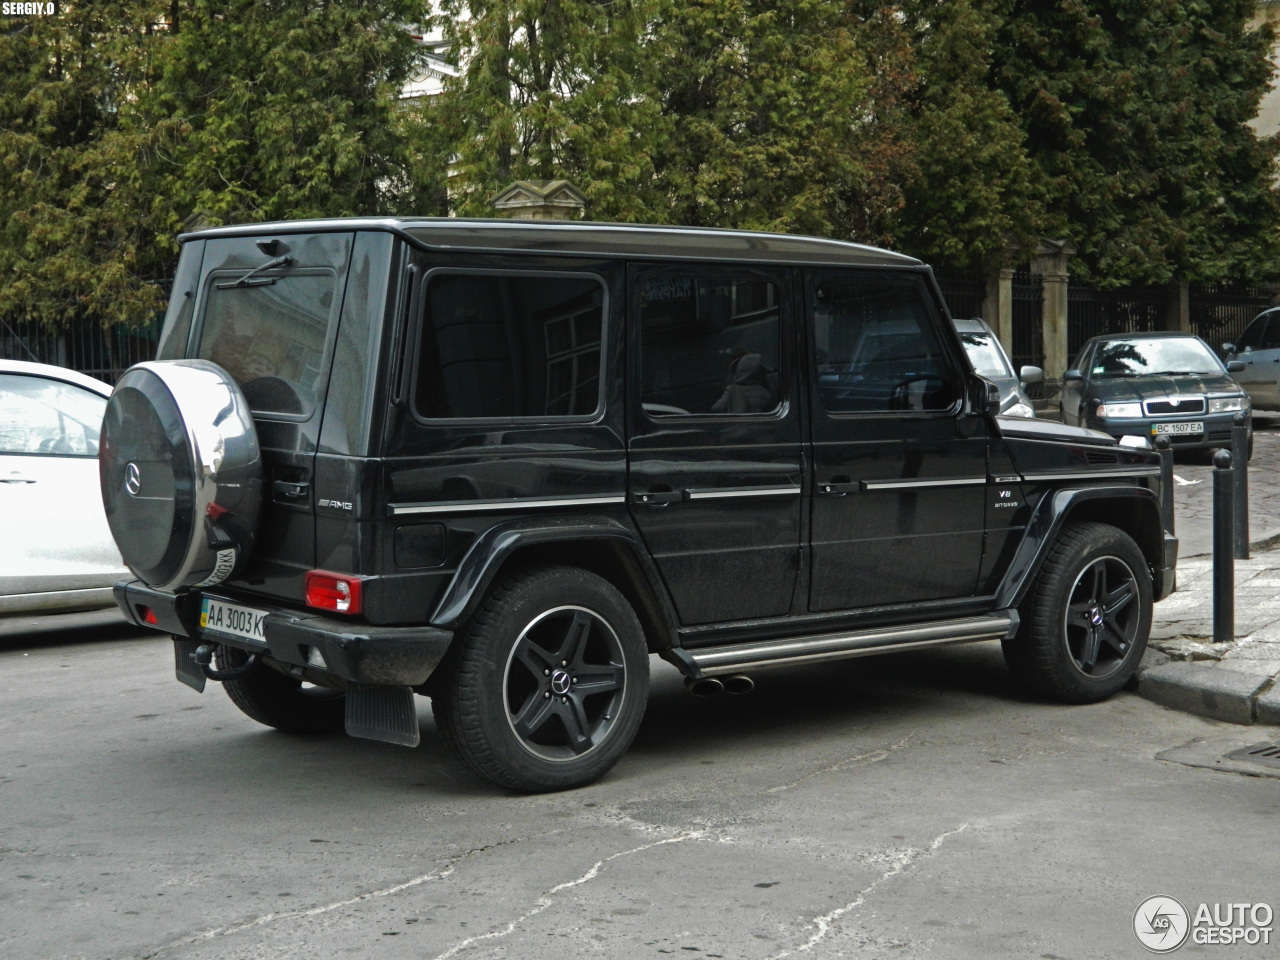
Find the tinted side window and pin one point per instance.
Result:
(1270, 338)
(875, 347)
(38, 415)
(509, 345)
(1253, 333)
(709, 343)
(270, 336)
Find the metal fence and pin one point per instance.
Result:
(1219, 314)
(964, 295)
(1092, 312)
(100, 352)
(1028, 326)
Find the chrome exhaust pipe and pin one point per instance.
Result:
(706, 687)
(739, 683)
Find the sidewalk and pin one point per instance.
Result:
(1238, 682)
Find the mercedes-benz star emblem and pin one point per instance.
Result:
(133, 479)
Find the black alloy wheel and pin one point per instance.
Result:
(545, 687)
(1103, 617)
(1086, 618)
(564, 683)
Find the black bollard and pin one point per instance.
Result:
(1224, 573)
(1164, 447)
(1240, 457)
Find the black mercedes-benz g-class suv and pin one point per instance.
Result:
(500, 463)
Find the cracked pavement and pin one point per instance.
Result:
(915, 805)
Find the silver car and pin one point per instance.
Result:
(1259, 350)
(988, 359)
(56, 551)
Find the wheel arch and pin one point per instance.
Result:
(600, 545)
(1134, 510)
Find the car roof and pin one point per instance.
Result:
(48, 370)
(972, 325)
(588, 238)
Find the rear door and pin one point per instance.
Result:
(267, 312)
(715, 437)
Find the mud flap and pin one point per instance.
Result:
(381, 712)
(184, 663)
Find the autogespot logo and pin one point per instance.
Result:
(1161, 924)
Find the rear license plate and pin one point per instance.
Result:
(219, 616)
(1176, 429)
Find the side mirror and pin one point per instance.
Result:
(1236, 366)
(984, 396)
(1030, 374)
(1228, 348)
(1072, 374)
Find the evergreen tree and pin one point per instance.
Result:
(123, 123)
(971, 188)
(1136, 113)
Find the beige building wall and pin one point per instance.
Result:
(1268, 120)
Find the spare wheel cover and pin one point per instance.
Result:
(181, 473)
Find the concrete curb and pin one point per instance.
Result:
(1212, 691)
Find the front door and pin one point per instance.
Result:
(714, 438)
(899, 470)
(1259, 348)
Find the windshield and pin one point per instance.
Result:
(985, 354)
(1172, 356)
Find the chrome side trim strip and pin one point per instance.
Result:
(734, 493)
(713, 661)
(513, 503)
(911, 484)
(1094, 475)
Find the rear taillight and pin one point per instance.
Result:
(148, 615)
(333, 591)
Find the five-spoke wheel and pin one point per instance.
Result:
(1086, 619)
(545, 687)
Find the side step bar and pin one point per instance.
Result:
(739, 658)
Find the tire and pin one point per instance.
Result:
(1086, 620)
(181, 473)
(277, 700)
(520, 719)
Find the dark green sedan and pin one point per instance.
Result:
(1154, 384)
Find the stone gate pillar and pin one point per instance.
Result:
(540, 200)
(1050, 263)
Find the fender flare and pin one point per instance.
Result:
(1050, 514)
(485, 557)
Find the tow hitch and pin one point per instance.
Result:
(203, 656)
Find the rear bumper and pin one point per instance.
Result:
(355, 652)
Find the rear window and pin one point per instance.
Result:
(506, 346)
(271, 336)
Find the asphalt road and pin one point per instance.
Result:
(907, 806)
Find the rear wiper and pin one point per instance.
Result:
(251, 279)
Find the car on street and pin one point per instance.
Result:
(56, 550)
(1258, 352)
(1151, 385)
(500, 464)
(987, 356)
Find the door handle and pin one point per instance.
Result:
(17, 478)
(294, 491)
(657, 496)
(838, 486)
